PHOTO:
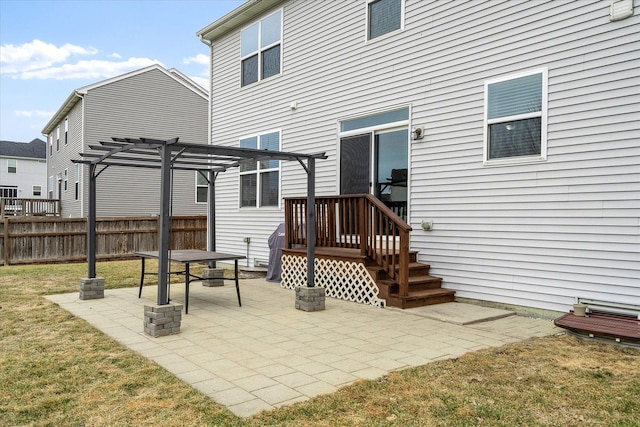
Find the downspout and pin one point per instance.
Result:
(211, 207)
(81, 181)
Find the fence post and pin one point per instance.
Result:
(6, 241)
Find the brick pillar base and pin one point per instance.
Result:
(213, 277)
(310, 299)
(161, 320)
(91, 288)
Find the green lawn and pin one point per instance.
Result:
(57, 370)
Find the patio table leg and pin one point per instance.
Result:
(141, 279)
(237, 283)
(187, 275)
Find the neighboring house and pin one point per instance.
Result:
(23, 169)
(152, 103)
(511, 127)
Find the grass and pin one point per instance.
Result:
(57, 370)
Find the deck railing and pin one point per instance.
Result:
(354, 221)
(13, 206)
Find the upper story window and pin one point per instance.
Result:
(260, 181)
(66, 131)
(12, 166)
(37, 190)
(202, 187)
(58, 138)
(50, 144)
(77, 182)
(516, 118)
(383, 17)
(260, 51)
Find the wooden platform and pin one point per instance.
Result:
(619, 328)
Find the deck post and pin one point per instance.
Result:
(311, 221)
(163, 230)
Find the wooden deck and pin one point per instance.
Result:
(619, 328)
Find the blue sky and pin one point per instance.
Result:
(49, 48)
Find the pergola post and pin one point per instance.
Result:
(164, 243)
(213, 276)
(310, 297)
(91, 223)
(91, 287)
(211, 215)
(311, 221)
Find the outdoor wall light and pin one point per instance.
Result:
(427, 225)
(417, 133)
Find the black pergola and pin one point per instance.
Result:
(170, 155)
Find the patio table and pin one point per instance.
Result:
(187, 257)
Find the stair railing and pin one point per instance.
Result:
(356, 221)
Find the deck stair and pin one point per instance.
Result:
(360, 228)
(424, 289)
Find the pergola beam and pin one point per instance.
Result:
(173, 155)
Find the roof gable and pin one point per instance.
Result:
(36, 149)
(77, 94)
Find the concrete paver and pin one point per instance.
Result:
(266, 354)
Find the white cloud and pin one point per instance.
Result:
(34, 113)
(202, 81)
(37, 55)
(198, 59)
(42, 61)
(94, 69)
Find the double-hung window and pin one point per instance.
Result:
(260, 180)
(12, 166)
(202, 187)
(516, 118)
(66, 179)
(261, 46)
(383, 17)
(37, 190)
(58, 138)
(66, 131)
(77, 182)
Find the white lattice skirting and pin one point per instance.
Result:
(341, 279)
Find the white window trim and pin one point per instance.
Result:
(380, 128)
(258, 171)
(33, 190)
(543, 114)
(58, 138)
(262, 49)
(65, 183)
(15, 165)
(384, 36)
(76, 187)
(198, 186)
(66, 131)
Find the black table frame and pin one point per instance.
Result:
(187, 257)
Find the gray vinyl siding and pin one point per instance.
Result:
(150, 105)
(537, 234)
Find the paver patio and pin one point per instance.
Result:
(267, 354)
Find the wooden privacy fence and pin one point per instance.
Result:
(29, 240)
